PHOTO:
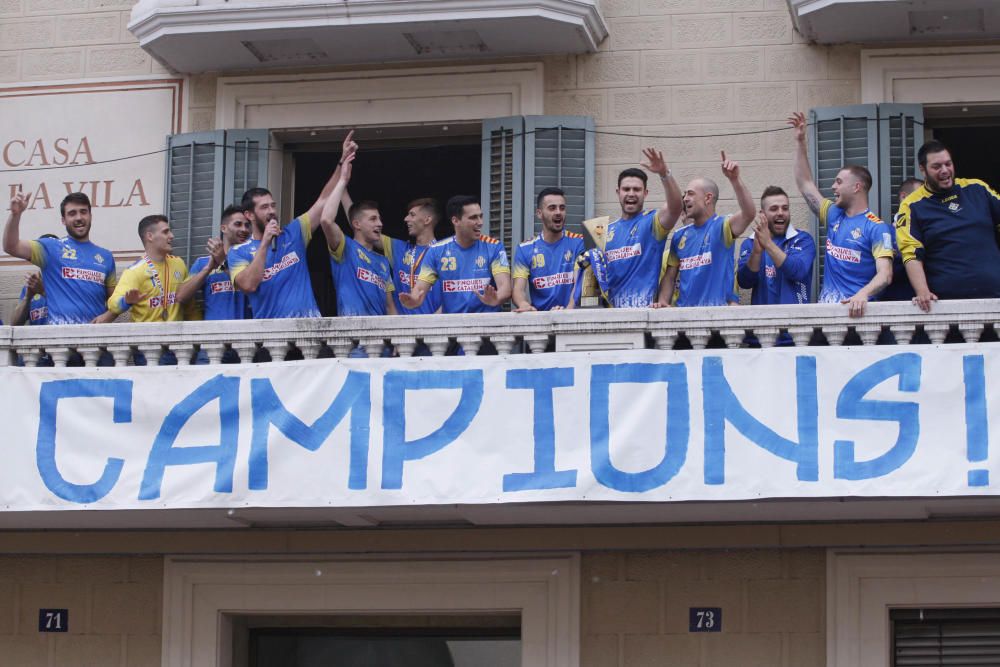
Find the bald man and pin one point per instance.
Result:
(701, 252)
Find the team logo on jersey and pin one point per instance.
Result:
(177, 275)
(855, 233)
(954, 207)
(682, 242)
(408, 257)
(568, 256)
(98, 258)
(480, 261)
(363, 256)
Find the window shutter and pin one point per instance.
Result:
(559, 152)
(901, 133)
(841, 136)
(503, 177)
(939, 637)
(194, 189)
(246, 163)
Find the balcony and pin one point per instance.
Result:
(896, 22)
(191, 36)
(762, 381)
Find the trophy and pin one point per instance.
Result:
(590, 291)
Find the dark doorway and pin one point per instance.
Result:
(393, 177)
(973, 149)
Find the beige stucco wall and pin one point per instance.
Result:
(634, 609)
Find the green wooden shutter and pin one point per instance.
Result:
(502, 177)
(194, 189)
(245, 164)
(901, 133)
(559, 152)
(841, 136)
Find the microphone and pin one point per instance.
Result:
(274, 242)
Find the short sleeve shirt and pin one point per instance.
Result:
(157, 283)
(222, 301)
(362, 278)
(548, 268)
(853, 244)
(76, 275)
(285, 290)
(633, 251)
(405, 260)
(704, 257)
(464, 272)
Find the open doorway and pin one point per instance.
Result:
(394, 166)
(972, 134)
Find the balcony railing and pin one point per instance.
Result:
(504, 333)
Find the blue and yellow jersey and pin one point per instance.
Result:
(954, 234)
(405, 260)
(549, 269)
(704, 257)
(285, 290)
(633, 252)
(157, 283)
(77, 277)
(362, 278)
(789, 283)
(464, 272)
(220, 298)
(38, 309)
(852, 246)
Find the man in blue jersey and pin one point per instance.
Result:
(633, 249)
(777, 262)
(859, 245)
(406, 257)
(32, 307)
(948, 232)
(361, 276)
(472, 268)
(78, 275)
(544, 266)
(274, 275)
(700, 260)
(220, 300)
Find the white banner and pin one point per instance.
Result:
(633, 426)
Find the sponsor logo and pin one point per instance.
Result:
(465, 285)
(704, 259)
(369, 276)
(545, 282)
(157, 301)
(222, 286)
(36, 314)
(291, 259)
(87, 275)
(623, 253)
(843, 254)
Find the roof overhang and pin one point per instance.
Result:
(192, 36)
(896, 21)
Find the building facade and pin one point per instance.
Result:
(178, 107)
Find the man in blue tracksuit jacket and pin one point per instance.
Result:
(776, 262)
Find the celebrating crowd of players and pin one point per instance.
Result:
(944, 245)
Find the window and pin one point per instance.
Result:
(938, 637)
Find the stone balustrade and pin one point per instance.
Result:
(503, 333)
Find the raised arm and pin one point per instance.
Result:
(12, 243)
(738, 222)
(316, 210)
(803, 174)
(250, 278)
(672, 206)
(328, 217)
